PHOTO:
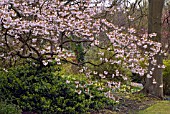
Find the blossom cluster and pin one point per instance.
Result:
(37, 28)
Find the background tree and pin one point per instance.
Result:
(166, 26)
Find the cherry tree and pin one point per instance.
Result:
(38, 29)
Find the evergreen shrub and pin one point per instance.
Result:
(6, 108)
(41, 90)
(166, 77)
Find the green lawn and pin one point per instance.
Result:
(162, 107)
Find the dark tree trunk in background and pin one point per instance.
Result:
(154, 26)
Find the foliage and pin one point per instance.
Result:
(111, 71)
(77, 48)
(69, 69)
(6, 108)
(137, 97)
(37, 89)
(166, 77)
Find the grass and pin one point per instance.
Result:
(162, 107)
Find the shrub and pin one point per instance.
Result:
(37, 89)
(166, 77)
(6, 108)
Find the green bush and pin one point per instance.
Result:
(166, 77)
(39, 89)
(9, 108)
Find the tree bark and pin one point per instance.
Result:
(154, 26)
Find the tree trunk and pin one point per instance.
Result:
(154, 26)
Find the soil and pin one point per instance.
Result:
(128, 106)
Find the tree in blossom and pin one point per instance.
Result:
(38, 29)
